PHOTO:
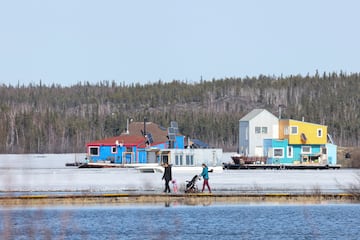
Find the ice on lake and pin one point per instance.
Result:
(47, 173)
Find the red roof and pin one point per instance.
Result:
(135, 136)
(158, 133)
(126, 140)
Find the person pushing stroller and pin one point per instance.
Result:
(205, 175)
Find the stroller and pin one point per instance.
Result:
(191, 186)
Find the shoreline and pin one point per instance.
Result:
(176, 198)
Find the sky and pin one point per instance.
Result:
(141, 41)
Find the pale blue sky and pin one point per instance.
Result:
(143, 41)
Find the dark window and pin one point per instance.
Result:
(113, 150)
(264, 130)
(278, 152)
(306, 149)
(187, 160)
(94, 151)
(324, 151)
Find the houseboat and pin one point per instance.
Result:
(146, 146)
(272, 142)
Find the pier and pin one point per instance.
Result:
(278, 166)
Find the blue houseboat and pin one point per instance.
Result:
(148, 144)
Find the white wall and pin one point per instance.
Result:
(264, 119)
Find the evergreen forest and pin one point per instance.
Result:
(39, 118)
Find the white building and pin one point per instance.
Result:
(254, 127)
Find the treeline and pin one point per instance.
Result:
(53, 119)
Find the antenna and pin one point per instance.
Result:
(145, 120)
(281, 106)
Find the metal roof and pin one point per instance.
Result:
(252, 114)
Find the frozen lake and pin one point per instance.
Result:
(47, 173)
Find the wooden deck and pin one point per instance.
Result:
(279, 166)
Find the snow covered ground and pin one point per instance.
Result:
(47, 173)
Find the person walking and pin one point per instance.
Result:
(167, 177)
(205, 175)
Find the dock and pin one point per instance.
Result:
(232, 166)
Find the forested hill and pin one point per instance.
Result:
(55, 119)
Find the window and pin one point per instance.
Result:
(278, 152)
(294, 130)
(259, 130)
(189, 160)
(324, 150)
(286, 131)
(290, 152)
(178, 160)
(264, 130)
(94, 151)
(113, 149)
(305, 149)
(319, 132)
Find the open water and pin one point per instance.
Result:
(330, 221)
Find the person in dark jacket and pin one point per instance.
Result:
(167, 177)
(205, 175)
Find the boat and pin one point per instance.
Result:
(244, 162)
(237, 158)
(241, 159)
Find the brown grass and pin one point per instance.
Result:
(181, 199)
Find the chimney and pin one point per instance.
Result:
(145, 120)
